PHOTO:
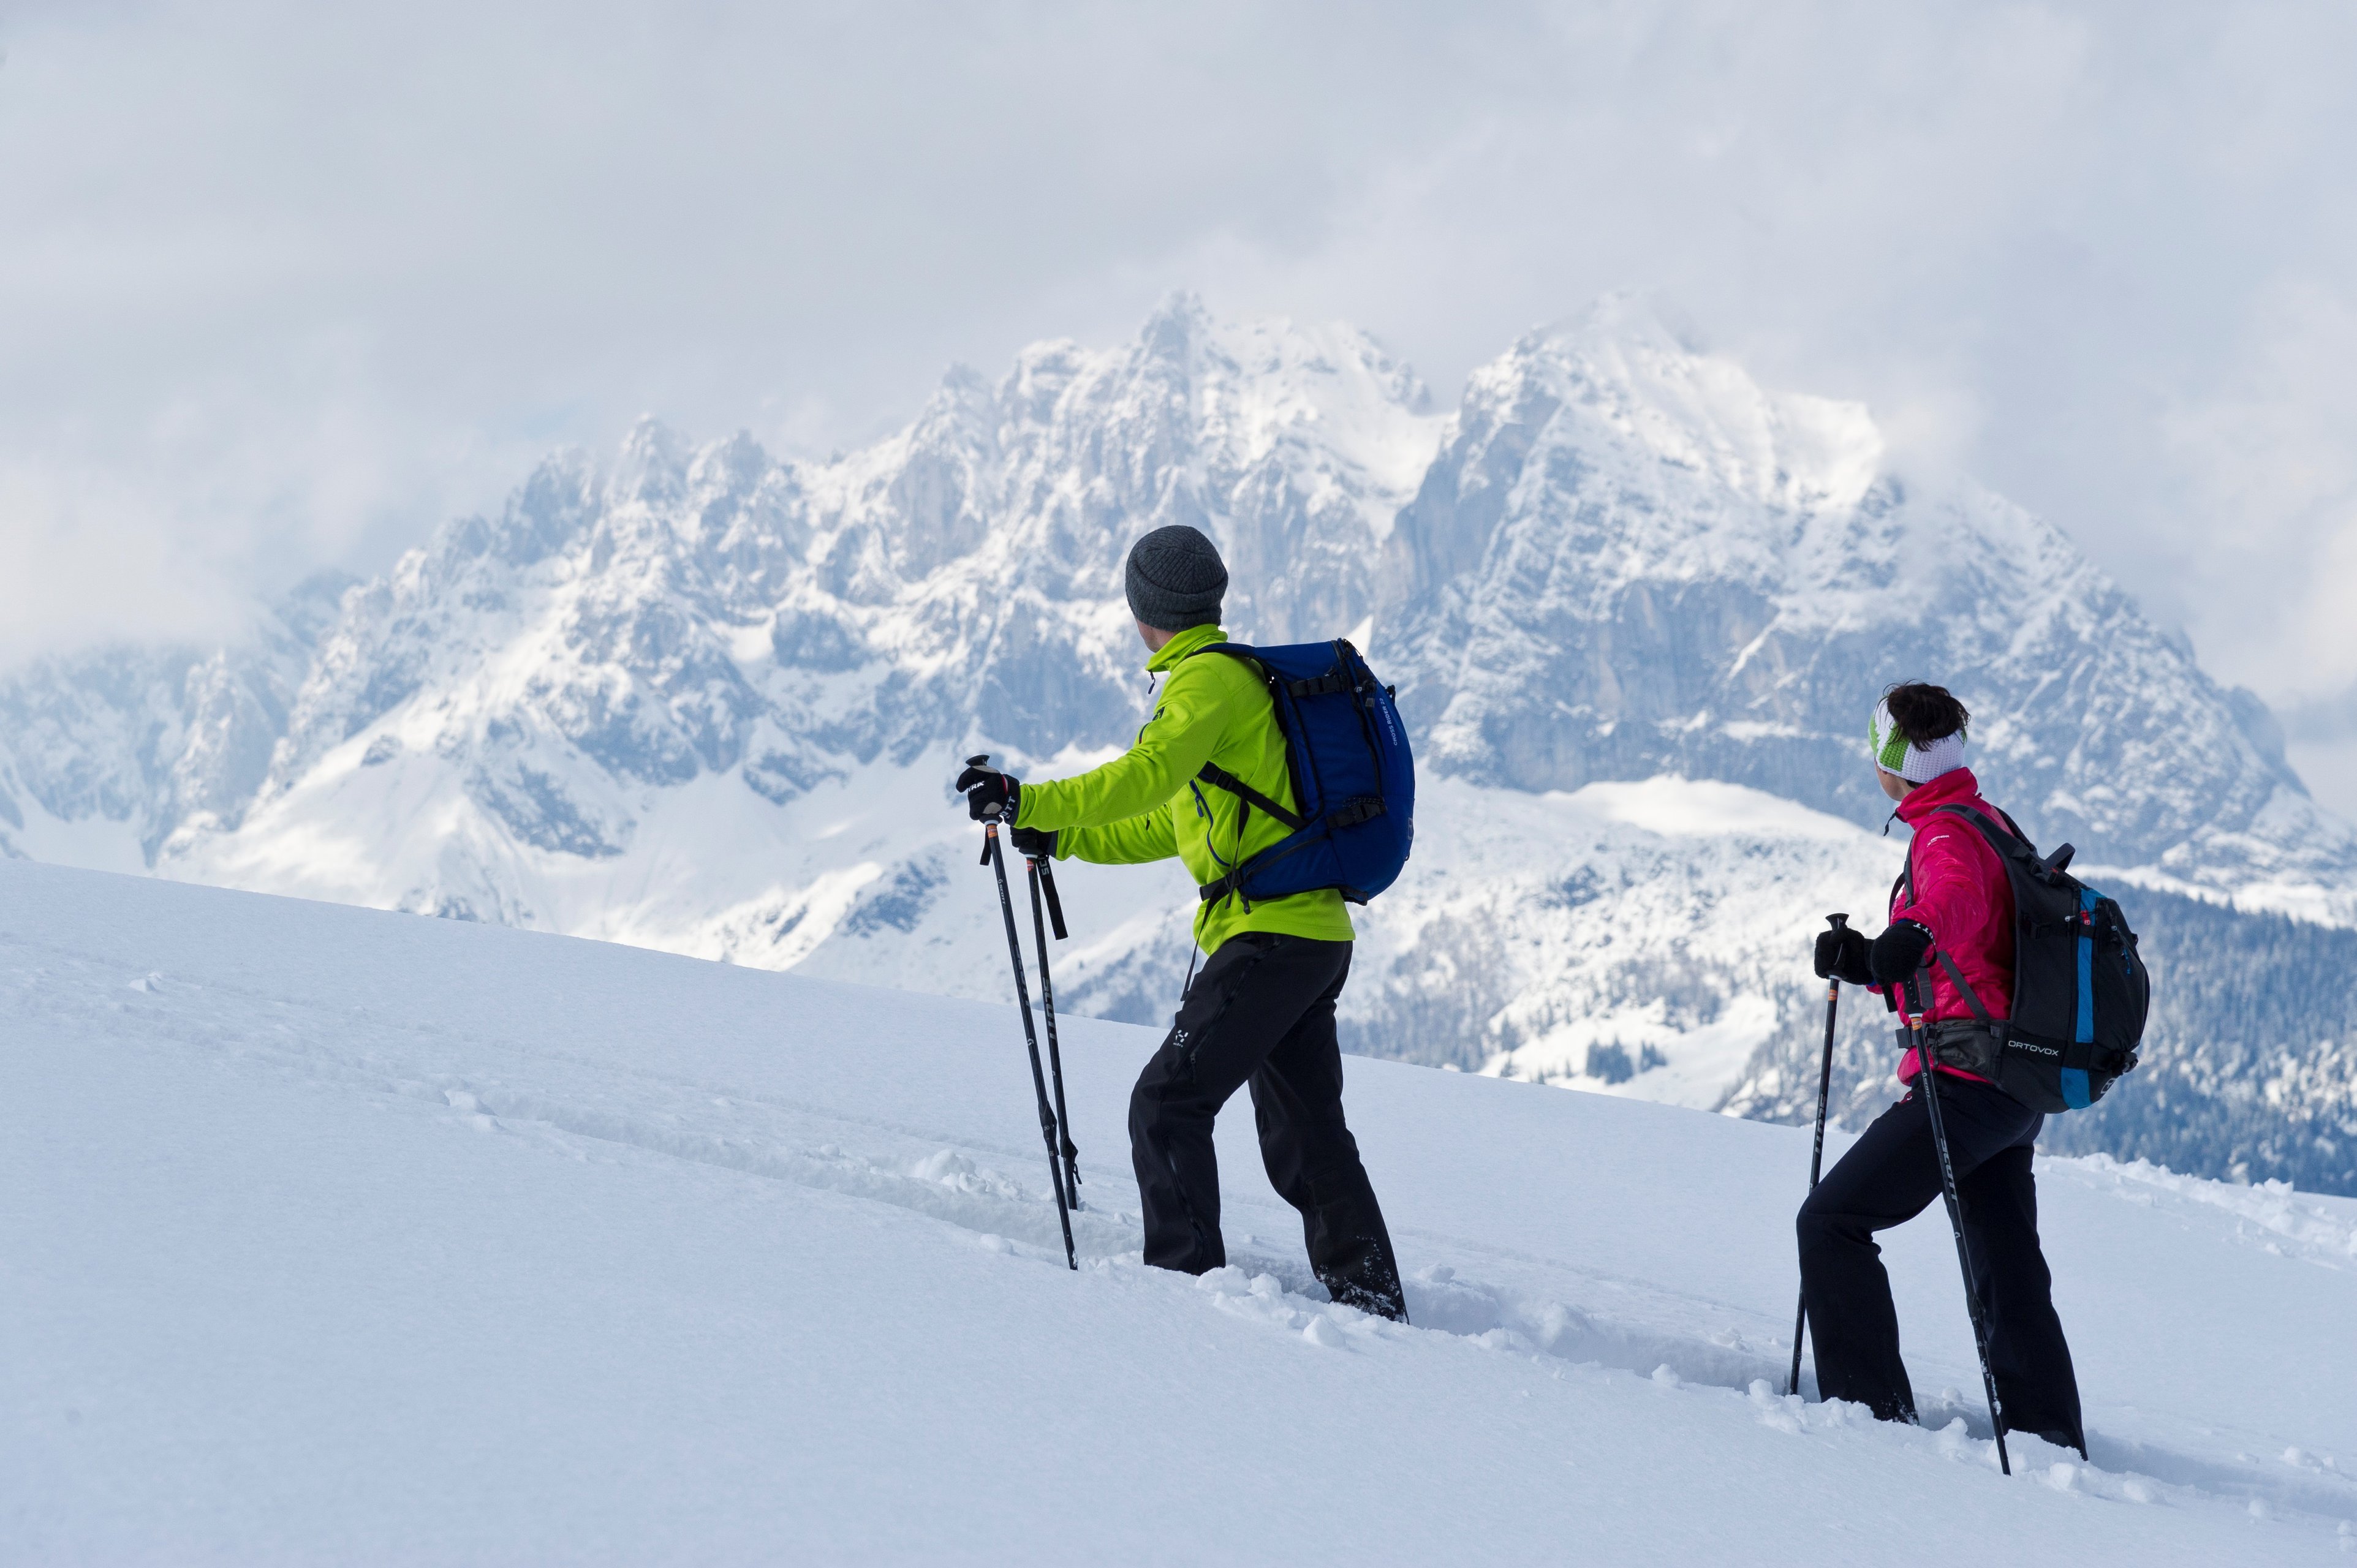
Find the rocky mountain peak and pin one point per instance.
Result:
(1619, 556)
(1636, 605)
(652, 469)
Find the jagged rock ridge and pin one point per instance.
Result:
(706, 698)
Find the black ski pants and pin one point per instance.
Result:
(1891, 1176)
(1262, 1012)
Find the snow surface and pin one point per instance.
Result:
(332, 1233)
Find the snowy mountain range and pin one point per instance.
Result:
(707, 700)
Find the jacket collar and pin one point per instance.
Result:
(1952, 788)
(1185, 643)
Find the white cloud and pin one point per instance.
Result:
(284, 284)
(2270, 452)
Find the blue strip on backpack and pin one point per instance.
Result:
(2086, 1032)
(2074, 1083)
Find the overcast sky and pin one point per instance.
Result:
(285, 284)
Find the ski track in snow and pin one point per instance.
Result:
(1551, 1310)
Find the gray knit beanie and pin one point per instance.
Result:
(1175, 579)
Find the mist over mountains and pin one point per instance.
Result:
(706, 699)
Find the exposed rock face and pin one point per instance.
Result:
(706, 699)
(1628, 560)
(108, 755)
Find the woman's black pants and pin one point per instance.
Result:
(1891, 1176)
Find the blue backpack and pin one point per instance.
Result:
(1347, 752)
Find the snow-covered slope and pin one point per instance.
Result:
(706, 700)
(332, 1233)
(1626, 936)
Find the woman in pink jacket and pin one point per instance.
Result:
(1959, 906)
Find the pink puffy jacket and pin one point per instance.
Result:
(1963, 898)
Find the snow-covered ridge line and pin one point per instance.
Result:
(702, 698)
(1626, 558)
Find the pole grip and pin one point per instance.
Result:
(990, 825)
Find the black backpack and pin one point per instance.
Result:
(2080, 989)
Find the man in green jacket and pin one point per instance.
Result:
(1261, 1011)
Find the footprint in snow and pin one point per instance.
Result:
(460, 1100)
(946, 1166)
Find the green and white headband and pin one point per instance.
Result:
(1916, 764)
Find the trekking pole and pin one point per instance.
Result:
(1044, 875)
(1817, 1154)
(996, 858)
(1927, 1076)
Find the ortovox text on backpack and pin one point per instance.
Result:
(2079, 990)
(1352, 778)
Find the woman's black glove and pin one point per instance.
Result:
(1841, 955)
(988, 794)
(1899, 952)
(1034, 844)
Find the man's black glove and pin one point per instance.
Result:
(1899, 952)
(1034, 844)
(988, 794)
(1841, 955)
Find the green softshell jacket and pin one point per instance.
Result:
(1147, 805)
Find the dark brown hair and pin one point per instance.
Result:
(1924, 712)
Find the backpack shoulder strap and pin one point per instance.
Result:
(1991, 830)
(1246, 655)
(1242, 652)
(1964, 989)
(1955, 975)
(1907, 874)
(1218, 778)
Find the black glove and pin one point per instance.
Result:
(1034, 844)
(988, 794)
(1899, 952)
(1841, 955)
